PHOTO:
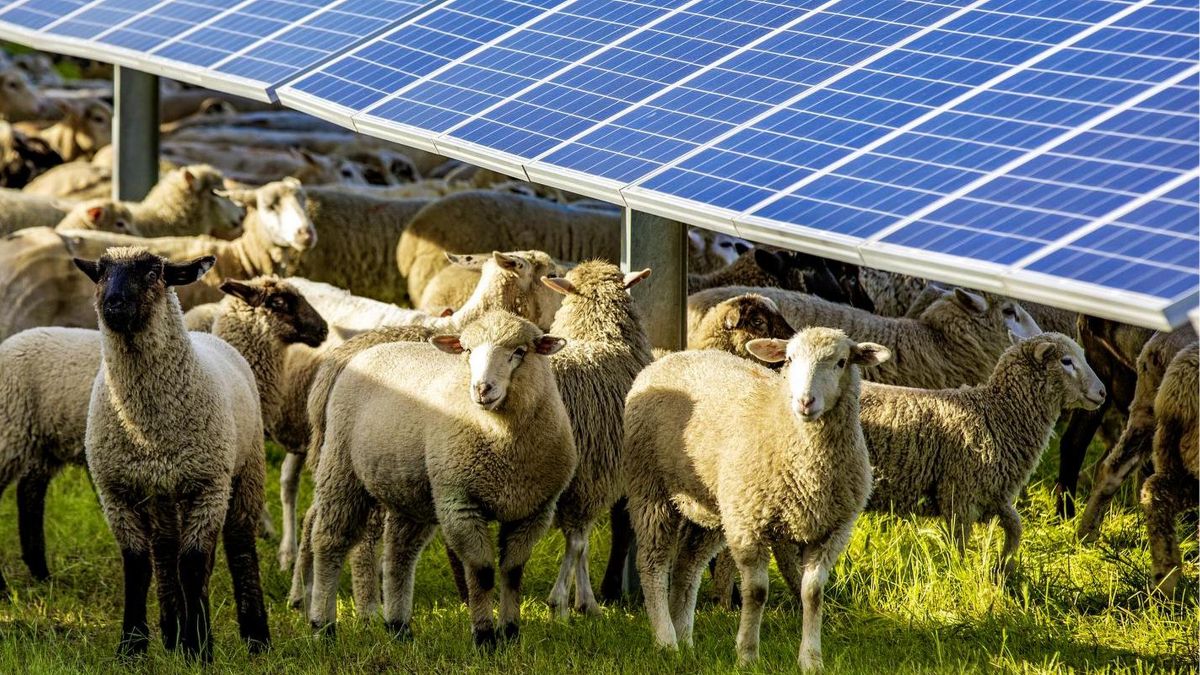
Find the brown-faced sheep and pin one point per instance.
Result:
(1172, 489)
(964, 454)
(482, 221)
(717, 447)
(174, 447)
(956, 341)
(475, 435)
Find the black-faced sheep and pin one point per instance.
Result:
(733, 323)
(717, 447)
(174, 446)
(453, 440)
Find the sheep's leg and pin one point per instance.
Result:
(612, 587)
(456, 571)
(788, 559)
(335, 529)
(1010, 522)
(404, 540)
(516, 545)
(585, 598)
(8, 471)
(656, 525)
(31, 510)
(466, 532)
(266, 527)
(242, 557)
(301, 591)
(818, 560)
(203, 517)
(752, 564)
(724, 571)
(697, 546)
(1162, 499)
(560, 593)
(1131, 451)
(1072, 449)
(165, 554)
(289, 487)
(132, 531)
(365, 566)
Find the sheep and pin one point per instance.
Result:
(956, 341)
(23, 159)
(606, 349)
(1172, 488)
(358, 241)
(474, 435)
(85, 127)
(19, 210)
(38, 289)
(509, 282)
(781, 463)
(46, 379)
(19, 100)
(964, 454)
(73, 180)
(731, 324)
(891, 294)
(262, 165)
(1136, 443)
(39, 68)
(755, 267)
(174, 447)
(481, 221)
(710, 251)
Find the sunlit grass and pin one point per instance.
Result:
(900, 600)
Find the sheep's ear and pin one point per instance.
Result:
(447, 343)
(548, 344)
(869, 354)
(91, 268)
(182, 274)
(291, 181)
(733, 316)
(505, 261)
(695, 240)
(770, 350)
(309, 158)
(465, 260)
(95, 213)
(190, 179)
(1041, 351)
(252, 295)
(634, 278)
(741, 247)
(449, 311)
(559, 285)
(970, 301)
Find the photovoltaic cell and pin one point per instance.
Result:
(236, 30)
(37, 14)
(162, 22)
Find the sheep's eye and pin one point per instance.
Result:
(787, 361)
(152, 275)
(841, 363)
(120, 225)
(519, 353)
(1067, 361)
(277, 303)
(1009, 311)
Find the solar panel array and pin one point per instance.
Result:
(1047, 150)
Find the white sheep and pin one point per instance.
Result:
(84, 128)
(717, 447)
(457, 440)
(956, 340)
(174, 447)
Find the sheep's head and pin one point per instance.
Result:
(131, 281)
(101, 214)
(218, 214)
(92, 124)
(282, 213)
(514, 278)
(1063, 362)
(495, 346)
(18, 98)
(385, 167)
(727, 248)
(819, 366)
(291, 318)
(993, 315)
(751, 317)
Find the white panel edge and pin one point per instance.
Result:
(807, 239)
(578, 182)
(317, 107)
(233, 84)
(1108, 303)
(482, 156)
(950, 269)
(683, 210)
(397, 133)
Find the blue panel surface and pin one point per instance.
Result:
(37, 14)
(411, 51)
(163, 22)
(98, 17)
(236, 30)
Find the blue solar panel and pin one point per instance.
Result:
(163, 22)
(98, 17)
(37, 14)
(415, 49)
(556, 41)
(236, 30)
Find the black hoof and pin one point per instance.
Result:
(399, 630)
(259, 645)
(484, 639)
(512, 631)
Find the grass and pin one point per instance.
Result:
(899, 601)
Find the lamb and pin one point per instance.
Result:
(956, 341)
(1136, 443)
(1172, 489)
(731, 325)
(475, 435)
(38, 289)
(19, 210)
(46, 379)
(509, 282)
(174, 447)
(779, 464)
(481, 221)
(964, 454)
(606, 349)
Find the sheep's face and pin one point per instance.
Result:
(20, 103)
(281, 211)
(97, 122)
(1016, 320)
(291, 318)
(518, 273)
(221, 215)
(728, 248)
(131, 282)
(1065, 365)
(752, 317)
(995, 316)
(495, 347)
(817, 365)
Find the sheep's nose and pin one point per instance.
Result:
(1103, 393)
(482, 390)
(806, 402)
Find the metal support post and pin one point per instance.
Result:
(135, 133)
(660, 244)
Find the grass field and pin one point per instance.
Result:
(899, 601)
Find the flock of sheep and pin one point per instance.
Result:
(257, 290)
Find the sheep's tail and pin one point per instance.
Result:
(332, 365)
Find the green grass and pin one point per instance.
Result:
(899, 601)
